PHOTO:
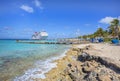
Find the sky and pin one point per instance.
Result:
(19, 19)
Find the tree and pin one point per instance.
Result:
(106, 33)
(84, 36)
(114, 28)
(99, 32)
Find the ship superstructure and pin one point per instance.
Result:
(40, 35)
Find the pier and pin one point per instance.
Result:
(58, 41)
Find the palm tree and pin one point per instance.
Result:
(119, 32)
(114, 28)
(99, 32)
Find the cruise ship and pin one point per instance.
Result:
(40, 35)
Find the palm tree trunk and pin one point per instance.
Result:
(117, 31)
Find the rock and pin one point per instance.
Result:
(103, 60)
(86, 64)
(110, 63)
(72, 76)
(74, 53)
(114, 78)
(102, 72)
(70, 65)
(76, 76)
(87, 47)
(87, 69)
(66, 71)
(76, 49)
(91, 76)
(83, 57)
(104, 78)
(67, 77)
(91, 79)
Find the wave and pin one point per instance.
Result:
(40, 68)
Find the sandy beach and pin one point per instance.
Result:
(71, 68)
(105, 50)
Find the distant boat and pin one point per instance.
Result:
(40, 35)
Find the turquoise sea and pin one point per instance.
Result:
(25, 62)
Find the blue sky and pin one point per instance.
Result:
(60, 18)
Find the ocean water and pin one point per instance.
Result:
(26, 62)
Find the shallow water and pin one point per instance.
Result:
(20, 61)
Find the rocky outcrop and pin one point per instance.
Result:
(92, 68)
(103, 60)
(80, 66)
(90, 71)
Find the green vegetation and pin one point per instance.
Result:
(112, 32)
(114, 28)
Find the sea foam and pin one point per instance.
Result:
(41, 67)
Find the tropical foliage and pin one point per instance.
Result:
(114, 28)
(112, 32)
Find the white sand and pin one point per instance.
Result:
(82, 45)
(104, 50)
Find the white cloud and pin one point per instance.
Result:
(27, 8)
(107, 20)
(38, 4)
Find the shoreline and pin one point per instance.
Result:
(61, 63)
(59, 72)
(41, 67)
